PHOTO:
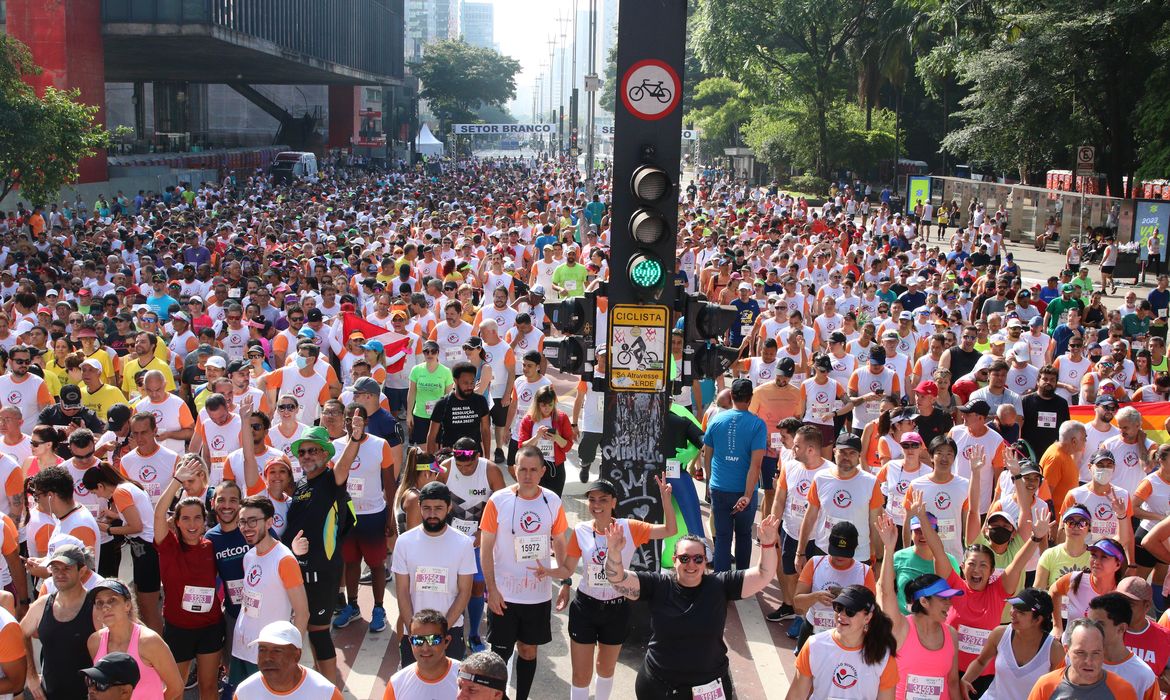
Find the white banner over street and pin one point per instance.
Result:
(508, 129)
(687, 134)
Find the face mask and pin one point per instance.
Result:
(1102, 476)
(302, 362)
(999, 535)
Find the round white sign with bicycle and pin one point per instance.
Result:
(650, 89)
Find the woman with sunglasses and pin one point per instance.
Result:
(1072, 592)
(599, 615)
(471, 479)
(686, 654)
(862, 640)
(429, 382)
(121, 631)
(895, 476)
(1070, 555)
(129, 514)
(925, 643)
(193, 625)
(896, 424)
(45, 441)
(550, 430)
(286, 429)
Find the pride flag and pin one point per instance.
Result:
(1154, 415)
(685, 496)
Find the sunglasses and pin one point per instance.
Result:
(688, 558)
(99, 685)
(87, 455)
(1076, 522)
(909, 445)
(430, 640)
(304, 451)
(430, 352)
(257, 426)
(287, 407)
(849, 612)
(464, 454)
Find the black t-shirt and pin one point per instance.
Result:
(1042, 419)
(937, 423)
(313, 504)
(194, 375)
(680, 432)
(686, 626)
(460, 418)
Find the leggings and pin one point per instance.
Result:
(648, 687)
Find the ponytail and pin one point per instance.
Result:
(879, 639)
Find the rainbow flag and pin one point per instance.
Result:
(1154, 415)
(687, 511)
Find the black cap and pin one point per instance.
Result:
(203, 349)
(837, 337)
(70, 396)
(977, 406)
(474, 343)
(1033, 600)
(314, 315)
(849, 441)
(856, 598)
(877, 354)
(603, 485)
(435, 491)
(741, 390)
(236, 366)
(843, 540)
(117, 416)
(823, 363)
(115, 668)
(786, 366)
(1027, 466)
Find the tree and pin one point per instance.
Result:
(779, 135)
(458, 79)
(721, 107)
(42, 139)
(609, 82)
(799, 47)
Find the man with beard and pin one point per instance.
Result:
(230, 547)
(273, 589)
(462, 413)
(1044, 412)
(320, 507)
(433, 568)
(568, 279)
(27, 392)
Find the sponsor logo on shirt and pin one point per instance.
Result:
(942, 501)
(842, 499)
(529, 522)
(845, 676)
(254, 575)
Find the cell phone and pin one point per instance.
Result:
(879, 392)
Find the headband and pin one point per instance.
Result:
(488, 681)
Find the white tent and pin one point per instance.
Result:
(427, 144)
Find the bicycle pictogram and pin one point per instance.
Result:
(654, 89)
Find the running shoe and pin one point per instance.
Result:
(584, 475)
(193, 677)
(781, 614)
(378, 619)
(346, 615)
(476, 644)
(794, 628)
(499, 457)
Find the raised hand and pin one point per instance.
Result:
(888, 531)
(664, 488)
(615, 538)
(300, 544)
(769, 530)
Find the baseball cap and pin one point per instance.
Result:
(877, 355)
(916, 524)
(837, 337)
(786, 366)
(911, 436)
(117, 416)
(1109, 548)
(217, 361)
(1027, 466)
(70, 396)
(904, 316)
(367, 385)
(1003, 515)
(745, 287)
(1066, 288)
(926, 388)
(1136, 588)
(823, 363)
(891, 335)
(116, 668)
(69, 554)
(376, 345)
(1105, 400)
(314, 315)
(843, 539)
(435, 491)
(849, 441)
(1076, 510)
(603, 485)
(854, 599)
(280, 632)
(977, 406)
(1101, 456)
(1033, 600)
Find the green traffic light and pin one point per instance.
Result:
(646, 272)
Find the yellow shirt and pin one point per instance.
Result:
(103, 356)
(100, 401)
(131, 367)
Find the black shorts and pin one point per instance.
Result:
(498, 413)
(593, 621)
(788, 553)
(513, 448)
(1142, 556)
(186, 644)
(768, 468)
(1107, 269)
(527, 623)
(147, 578)
(322, 595)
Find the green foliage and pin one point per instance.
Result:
(816, 186)
(721, 107)
(1153, 120)
(458, 79)
(41, 139)
(779, 135)
(605, 100)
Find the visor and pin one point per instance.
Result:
(940, 589)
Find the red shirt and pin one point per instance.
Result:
(973, 615)
(1151, 646)
(185, 569)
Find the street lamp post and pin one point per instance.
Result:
(591, 95)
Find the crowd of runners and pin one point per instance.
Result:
(225, 408)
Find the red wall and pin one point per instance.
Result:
(343, 124)
(65, 37)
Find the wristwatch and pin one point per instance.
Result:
(567, 581)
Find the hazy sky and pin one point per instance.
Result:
(522, 31)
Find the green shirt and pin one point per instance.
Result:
(429, 387)
(909, 566)
(1057, 562)
(1057, 308)
(571, 279)
(1084, 283)
(1135, 325)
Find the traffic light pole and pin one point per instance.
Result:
(646, 173)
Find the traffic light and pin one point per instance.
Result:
(651, 227)
(576, 318)
(704, 324)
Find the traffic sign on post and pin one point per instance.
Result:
(1086, 160)
(637, 347)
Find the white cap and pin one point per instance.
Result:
(217, 361)
(280, 632)
(92, 364)
(1020, 350)
(984, 362)
(24, 326)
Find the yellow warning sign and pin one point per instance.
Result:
(638, 347)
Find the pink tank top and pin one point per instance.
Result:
(922, 673)
(150, 685)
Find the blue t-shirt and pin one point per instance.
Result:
(230, 548)
(733, 436)
(542, 241)
(748, 312)
(162, 306)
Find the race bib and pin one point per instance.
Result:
(356, 487)
(570, 285)
(948, 528)
(235, 590)
(453, 354)
(467, 527)
(1163, 312)
(198, 599)
(673, 469)
(924, 687)
(1046, 419)
(1104, 528)
(745, 331)
(1138, 346)
(897, 508)
(595, 574)
(546, 449)
(154, 490)
(531, 547)
(709, 691)
(252, 604)
(972, 639)
(776, 441)
(430, 579)
(429, 406)
(823, 618)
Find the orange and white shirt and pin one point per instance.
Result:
(312, 686)
(406, 684)
(220, 440)
(267, 579)
(994, 449)
(28, 395)
(37, 532)
(1105, 521)
(524, 530)
(283, 442)
(946, 502)
(373, 458)
(311, 391)
(820, 575)
(894, 481)
(845, 500)
(171, 414)
(451, 341)
(841, 673)
(154, 471)
(821, 400)
(523, 393)
(11, 644)
(862, 382)
(127, 495)
(80, 525)
(591, 547)
(1154, 495)
(12, 476)
(233, 468)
